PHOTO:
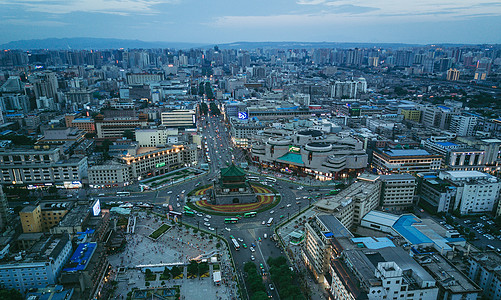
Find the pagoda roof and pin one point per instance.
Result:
(232, 171)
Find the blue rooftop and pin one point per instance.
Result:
(410, 152)
(446, 144)
(293, 158)
(443, 107)
(404, 226)
(81, 257)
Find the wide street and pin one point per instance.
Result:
(217, 151)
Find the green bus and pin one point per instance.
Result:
(334, 192)
(250, 214)
(230, 220)
(186, 208)
(189, 213)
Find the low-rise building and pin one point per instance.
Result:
(156, 161)
(110, 175)
(405, 161)
(39, 166)
(398, 192)
(485, 270)
(39, 267)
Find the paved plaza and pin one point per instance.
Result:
(178, 245)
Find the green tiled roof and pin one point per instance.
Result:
(293, 158)
(232, 171)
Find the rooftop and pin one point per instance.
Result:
(81, 257)
(374, 242)
(293, 158)
(379, 217)
(409, 152)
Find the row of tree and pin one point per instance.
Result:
(214, 109)
(254, 282)
(284, 279)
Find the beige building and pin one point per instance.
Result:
(110, 175)
(31, 219)
(156, 161)
(411, 114)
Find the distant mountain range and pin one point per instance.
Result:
(106, 43)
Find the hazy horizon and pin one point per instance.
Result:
(213, 22)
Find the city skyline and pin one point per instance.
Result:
(426, 22)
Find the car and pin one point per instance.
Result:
(271, 287)
(199, 215)
(208, 216)
(169, 192)
(252, 244)
(211, 229)
(289, 205)
(259, 239)
(263, 223)
(261, 266)
(26, 203)
(271, 212)
(282, 216)
(252, 257)
(244, 245)
(227, 229)
(265, 235)
(178, 205)
(282, 207)
(182, 192)
(252, 249)
(240, 240)
(206, 220)
(207, 224)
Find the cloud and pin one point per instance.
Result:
(310, 2)
(369, 12)
(119, 7)
(31, 23)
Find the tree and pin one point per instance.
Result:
(166, 273)
(203, 268)
(193, 268)
(10, 294)
(259, 295)
(175, 271)
(218, 245)
(128, 134)
(249, 267)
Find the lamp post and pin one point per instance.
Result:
(198, 225)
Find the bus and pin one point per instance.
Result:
(270, 221)
(271, 179)
(230, 220)
(175, 213)
(251, 178)
(189, 213)
(250, 214)
(187, 208)
(123, 194)
(235, 244)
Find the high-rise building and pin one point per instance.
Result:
(463, 125)
(453, 75)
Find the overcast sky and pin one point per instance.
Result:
(220, 21)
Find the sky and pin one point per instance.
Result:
(225, 21)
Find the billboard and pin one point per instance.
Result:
(243, 115)
(96, 208)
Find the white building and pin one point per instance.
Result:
(179, 118)
(349, 89)
(476, 192)
(397, 192)
(485, 271)
(109, 175)
(463, 125)
(156, 137)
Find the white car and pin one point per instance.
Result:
(207, 224)
(289, 205)
(182, 192)
(169, 192)
(206, 220)
(263, 223)
(252, 249)
(178, 205)
(208, 216)
(199, 215)
(240, 240)
(227, 229)
(252, 257)
(272, 211)
(211, 229)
